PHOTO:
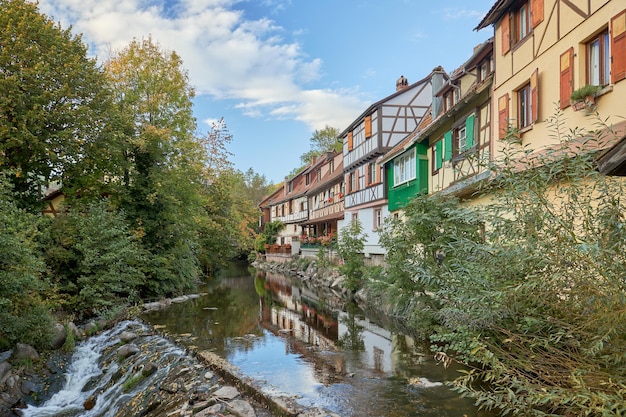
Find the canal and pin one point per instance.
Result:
(295, 341)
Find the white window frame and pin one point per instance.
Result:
(404, 168)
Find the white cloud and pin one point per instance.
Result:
(227, 57)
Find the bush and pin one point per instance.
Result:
(24, 317)
(94, 259)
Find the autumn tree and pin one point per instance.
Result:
(54, 107)
(163, 173)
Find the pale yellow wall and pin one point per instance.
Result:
(561, 29)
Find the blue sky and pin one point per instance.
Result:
(277, 70)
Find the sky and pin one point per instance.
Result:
(278, 70)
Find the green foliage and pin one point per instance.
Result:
(24, 317)
(164, 174)
(325, 140)
(269, 235)
(584, 92)
(537, 306)
(54, 106)
(94, 259)
(350, 248)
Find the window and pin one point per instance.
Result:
(404, 168)
(524, 107)
(598, 60)
(437, 155)
(464, 135)
(355, 217)
(352, 181)
(371, 173)
(331, 166)
(378, 218)
(461, 139)
(521, 21)
(319, 174)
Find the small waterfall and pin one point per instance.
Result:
(96, 371)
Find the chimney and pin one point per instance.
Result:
(402, 83)
(437, 80)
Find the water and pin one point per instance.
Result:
(96, 371)
(296, 342)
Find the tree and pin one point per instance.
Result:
(94, 259)
(164, 173)
(24, 317)
(325, 140)
(350, 248)
(54, 107)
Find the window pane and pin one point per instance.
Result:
(594, 62)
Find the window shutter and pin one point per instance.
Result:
(447, 145)
(503, 115)
(469, 132)
(536, 10)
(438, 154)
(618, 47)
(350, 144)
(567, 77)
(368, 126)
(505, 29)
(534, 95)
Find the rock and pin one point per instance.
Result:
(59, 334)
(126, 337)
(209, 375)
(90, 402)
(5, 371)
(180, 299)
(127, 350)
(216, 409)
(29, 387)
(241, 408)
(23, 351)
(318, 412)
(148, 369)
(74, 330)
(226, 393)
(91, 328)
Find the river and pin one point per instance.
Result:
(296, 342)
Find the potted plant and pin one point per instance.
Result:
(584, 96)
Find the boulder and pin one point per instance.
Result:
(127, 350)
(23, 351)
(59, 335)
(241, 408)
(90, 402)
(148, 369)
(127, 336)
(74, 330)
(226, 393)
(5, 371)
(214, 410)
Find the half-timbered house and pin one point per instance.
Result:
(374, 133)
(545, 50)
(448, 151)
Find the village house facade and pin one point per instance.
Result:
(449, 151)
(545, 50)
(438, 135)
(374, 133)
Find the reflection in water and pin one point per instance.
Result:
(297, 342)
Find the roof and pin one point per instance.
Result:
(495, 13)
(379, 103)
